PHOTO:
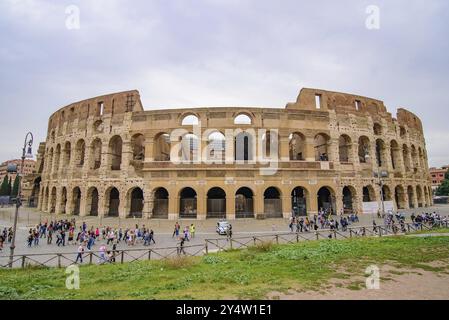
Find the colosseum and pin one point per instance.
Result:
(108, 157)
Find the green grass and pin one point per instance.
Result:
(241, 274)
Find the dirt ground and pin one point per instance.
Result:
(395, 284)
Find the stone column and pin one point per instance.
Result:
(284, 145)
(286, 206)
(173, 207)
(83, 202)
(149, 146)
(201, 204)
(338, 200)
(127, 155)
(122, 206)
(313, 202)
(148, 204)
(309, 149)
(58, 201)
(230, 205)
(258, 204)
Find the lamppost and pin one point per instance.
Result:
(26, 153)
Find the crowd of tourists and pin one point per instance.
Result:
(65, 233)
(323, 220)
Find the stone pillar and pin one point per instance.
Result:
(149, 147)
(69, 208)
(127, 155)
(148, 204)
(333, 150)
(388, 163)
(101, 203)
(173, 207)
(201, 204)
(338, 200)
(230, 206)
(286, 206)
(284, 145)
(354, 154)
(258, 204)
(123, 204)
(309, 149)
(58, 201)
(313, 203)
(83, 202)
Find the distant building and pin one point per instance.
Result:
(29, 168)
(437, 176)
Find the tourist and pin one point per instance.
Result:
(102, 252)
(80, 252)
(192, 231)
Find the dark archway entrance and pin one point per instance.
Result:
(348, 202)
(76, 201)
(160, 206)
(299, 202)
(325, 200)
(216, 203)
(244, 203)
(114, 203)
(272, 203)
(188, 204)
(136, 206)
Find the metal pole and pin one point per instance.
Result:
(18, 201)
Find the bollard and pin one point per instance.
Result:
(122, 257)
(206, 248)
(59, 260)
(149, 254)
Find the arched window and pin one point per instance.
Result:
(297, 146)
(244, 149)
(190, 120)
(216, 148)
(115, 152)
(162, 147)
(189, 148)
(244, 203)
(344, 148)
(80, 153)
(96, 154)
(138, 147)
(321, 147)
(242, 119)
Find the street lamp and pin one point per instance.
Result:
(26, 154)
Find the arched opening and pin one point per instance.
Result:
(297, 146)
(364, 149)
(419, 197)
(380, 153)
(244, 203)
(57, 157)
(190, 120)
(216, 203)
(270, 145)
(414, 158)
(136, 203)
(421, 159)
(395, 154)
(299, 201)
(369, 195)
(402, 132)
(348, 199)
(96, 154)
(53, 200)
(67, 154)
(344, 148)
(46, 200)
(76, 201)
(272, 203)
(216, 147)
(399, 197)
(321, 143)
(411, 197)
(34, 198)
(188, 203)
(115, 152)
(326, 200)
(160, 206)
(80, 153)
(244, 149)
(50, 161)
(92, 202)
(377, 129)
(138, 147)
(406, 157)
(63, 202)
(162, 147)
(386, 193)
(189, 148)
(242, 119)
(113, 202)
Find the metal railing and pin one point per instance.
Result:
(121, 256)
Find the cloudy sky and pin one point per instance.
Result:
(187, 53)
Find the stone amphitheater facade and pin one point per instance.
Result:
(107, 156)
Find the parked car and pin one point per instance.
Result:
(222, 227)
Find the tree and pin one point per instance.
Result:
(443, 189)
(4, 187)
(15, 188)
(9, 187)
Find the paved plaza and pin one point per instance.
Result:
(163, 230)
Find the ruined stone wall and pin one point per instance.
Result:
(114, 162)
